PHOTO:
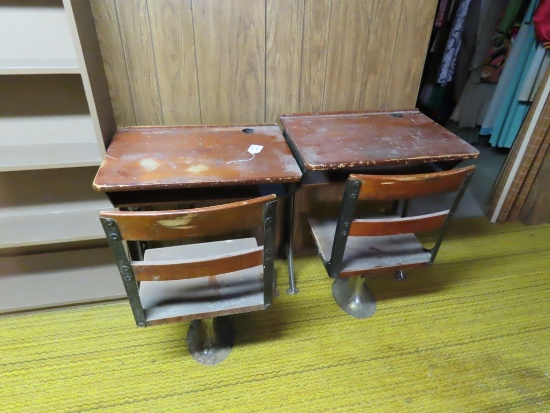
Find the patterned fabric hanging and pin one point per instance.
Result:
(448, 64)
(501, 43)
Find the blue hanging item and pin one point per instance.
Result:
(511, 112)
(509, 123)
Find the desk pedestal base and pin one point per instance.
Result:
(353, 296)
(210, 341)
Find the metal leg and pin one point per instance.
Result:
(353, 296)
(400, 275)
(211, 340)
(292, 289)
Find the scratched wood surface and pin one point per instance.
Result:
(194, 268)
(247, 61)
(354, 140)
(397, 225)
(383, 187)
(152, 158)
(347, 140)
(191, 223)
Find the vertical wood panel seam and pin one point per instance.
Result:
(393, 54)
(326, 55)
(155, 62)
(372, 10)
(196, 60)
(301, 55)
(125, 60)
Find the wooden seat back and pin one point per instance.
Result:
(191, 223)
(183, 224)
(391, 187)
(405, 187)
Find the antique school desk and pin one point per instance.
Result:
(329, 146)
(358, 140)
(153, 165)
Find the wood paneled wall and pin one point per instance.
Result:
(248, 61)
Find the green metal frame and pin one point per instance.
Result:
(458, 197)
(125, 268)
(269, 218)
(347, 211)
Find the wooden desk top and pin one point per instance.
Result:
(328, 141)
(174, 157)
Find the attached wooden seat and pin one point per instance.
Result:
(368, 254)
(351, 246)
(193, 298)
(198, 280)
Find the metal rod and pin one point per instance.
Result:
(292, 289)
(357, 285)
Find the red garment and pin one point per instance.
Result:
(541, 21)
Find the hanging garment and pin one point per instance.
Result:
(511, 111)
(440, 16)
(541, 20)
(508, 122)
(544, 67)
(446, 71)
(467, 47)
(500, 43)
(476, 96)
(515, 63)
(529, 84)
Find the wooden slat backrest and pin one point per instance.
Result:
(392, 187)
(397, 225)
(179, 224)
(182, 269)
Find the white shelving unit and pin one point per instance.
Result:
(52, 209)
(58, 278)
(36, 36)
(45, 123)
(55, 122)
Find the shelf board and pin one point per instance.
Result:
(45, 156)
(35, 29)
(51, 223)
(44, 109)
(61, 278)
(49, 206)
(38, 66)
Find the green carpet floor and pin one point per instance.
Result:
(471, 333)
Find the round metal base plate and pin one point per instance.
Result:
(292, 291)
(353, 296)
(210, 341)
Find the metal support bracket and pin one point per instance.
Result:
(345, 219)
(270, 285)
(125, 268)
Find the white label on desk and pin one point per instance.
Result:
(255, 149)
